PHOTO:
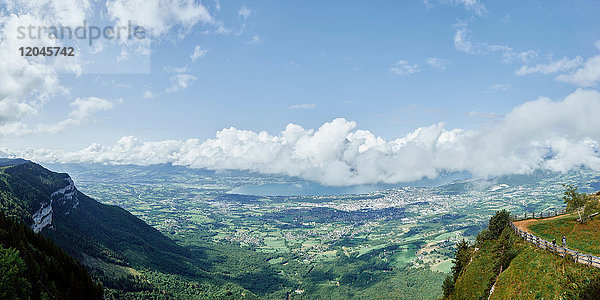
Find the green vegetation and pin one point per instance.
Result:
(13, 284)
(134, 260)
(585, 205)
(31, 266)
(582, 237)
(204, 243)
(539, 274)
(519, 270)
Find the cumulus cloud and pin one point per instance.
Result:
(179, 82)
(437, 63)
(27, 83)
(83, 110)
(12, 110)
(586, 76)
(539, 134)
(158, 17)
(66, 12)
(403, 67)
(198, 52)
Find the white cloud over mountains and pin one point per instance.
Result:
(539, 134)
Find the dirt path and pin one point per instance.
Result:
(524, 225)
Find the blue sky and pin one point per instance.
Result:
(390, 66)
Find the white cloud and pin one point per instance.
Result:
(255, 40)
(464, 43)
(437, 63)
(474, 6)
(19, 76)
(85, 108)
(561, 65)
(576, 71)
(158, 17)
(303, 106)
(403, 67)
(179, 82)
(82, 111)
(172, 69)
(499, 87)
(462, 40)
(586, 76)
(26, 84)
(65, 12)
(149, 95)
(244, 12)
(12, 110)
(198, 52)
(539, 134)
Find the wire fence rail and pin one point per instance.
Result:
(563, 251)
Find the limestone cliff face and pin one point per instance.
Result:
(64, 198)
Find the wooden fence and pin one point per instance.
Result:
(540, 215)
(582, 258)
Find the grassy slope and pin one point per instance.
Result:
(533, 274)
(538, 274)
(582, 237)
(479, 275)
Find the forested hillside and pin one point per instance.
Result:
(32, 266)
(118, 248)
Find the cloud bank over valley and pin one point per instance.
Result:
(539, 134)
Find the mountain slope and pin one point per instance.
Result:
(50, 203)
(113, 243)
(31, 266)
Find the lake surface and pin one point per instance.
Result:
(315, 189)
(306, 189)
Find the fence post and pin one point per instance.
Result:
(577, 256)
